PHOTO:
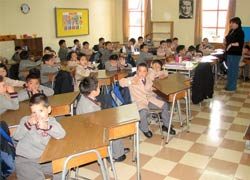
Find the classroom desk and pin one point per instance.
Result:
(81, 136)
(174, 87)
(120, 122)
(61, 105)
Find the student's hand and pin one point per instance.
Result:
(33, 119)
(42, 123)
(135, 80)
(122, 61)
(229, 46)
(10, 89)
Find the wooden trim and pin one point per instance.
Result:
(7, 38)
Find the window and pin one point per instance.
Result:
(136, 18)
(214, 17)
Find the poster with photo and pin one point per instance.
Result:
(186, 9)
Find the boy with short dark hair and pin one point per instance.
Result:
(180, 53)
(77, 45)
(8, 97)
(116, 63)
(48, 68)
(175, 43)
(139, 43)
(144, 54)
(85, 49)
(100, 45)
(107, 52)
(90, 89)
(16, 55)
(63, 50)
(33, 135)
(148, 40)
(32, 86)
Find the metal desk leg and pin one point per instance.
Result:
(171, 117)
(138, 151)
(111, 160)
(189, 103)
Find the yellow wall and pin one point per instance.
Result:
(41, 20)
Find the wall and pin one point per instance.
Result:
(41, 20)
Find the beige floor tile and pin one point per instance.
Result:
(159, 166)
(190, 136)
(229, 113)
(209, 140)
(185, 172)
(197, 128)
(245, 159)
(145, 174)
(233, 145)
(238, 128)
(87, 173)
(233, 135)
(170, 154)
(243, 96)
(228, 155)
(243, 172)
(180, 144)
(195, 160)
(203, 115)
(234, 103)
(170, 178)
(215, 124)
(211, 175)
(149, 148)
(124, 171)
(203, 149)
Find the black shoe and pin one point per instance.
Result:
(148, 134)
(126, 150)
(247, 79)
(121, 158)
(172, 131)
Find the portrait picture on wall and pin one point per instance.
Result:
(186, 9)
(71, 22)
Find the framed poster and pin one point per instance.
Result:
(186, 9)
(71, 22)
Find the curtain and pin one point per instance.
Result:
(147, 17)
(230, 14)
(125, 19)
(198, 22)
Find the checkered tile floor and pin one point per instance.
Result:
(213, 150)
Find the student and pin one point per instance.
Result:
(169, 45)
(8, 97)
(148, 40)
(84, 68)
(26, 63)
(85, 49)
(72, 59)
(174, 44)
(16, 55)
(47, 50)
(163, 51)
(190, 54)
(90, 89)
(107, 52)
(100, 46)
(144, 54)
(116, 63)
(130, 48)
(63, 51)
(77, 46)
(139, 43)
(48, 68)
(33, 135)
(156, 70)
(245, 59)
(8, 81)
(32, 86)
(205, 45)
(141, 90)
(180, 53)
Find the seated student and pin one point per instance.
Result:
(169, 45)
(63, 50)
(148, 40)
(190, 54)
(139, 43)
(141, 90)
(77, 46)
(116, 63)
(48, 68)
(100, 46)
(90, 89)
(72, 59)
(47, 50)
(130, 47)
(107, 52)
(32, 86)
(144, 54)
(245, 60)
(8, 97)
(163, 51)
(205, 45)
(26, 63)
(16, 55)
(174, 44)
(84, 68)
(33, 135)
(85, 49)
(180, 53)
(156, 70)
(8, 81)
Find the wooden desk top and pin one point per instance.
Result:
(77, 139)
(13, 117)
(172, 84)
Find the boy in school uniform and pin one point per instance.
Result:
(163, 51)
(141, 90)
(8, 81)
(33, 135)
(63, 50)
(148, 40)
(32, 86)
(180, 53)
(116, 63)
(174, 44)
(107, 52)
(139, 43)
(8, 97)
(156, 70)
(16, 55)
(130, 47)
(48, 68)
(85, 49)
(72, 59)
(26, 63)
(89, 89)
(144, 54)
(98, 47)
(77, 46)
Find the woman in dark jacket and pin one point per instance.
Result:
(234, 45)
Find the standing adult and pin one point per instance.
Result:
(234, 45)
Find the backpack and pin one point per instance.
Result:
(7, 153)
(63, 82)
(120, 96)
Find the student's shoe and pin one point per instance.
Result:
(247, 79)
(126, 150)
(120, 159)
(148, 134)
(172, 131)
